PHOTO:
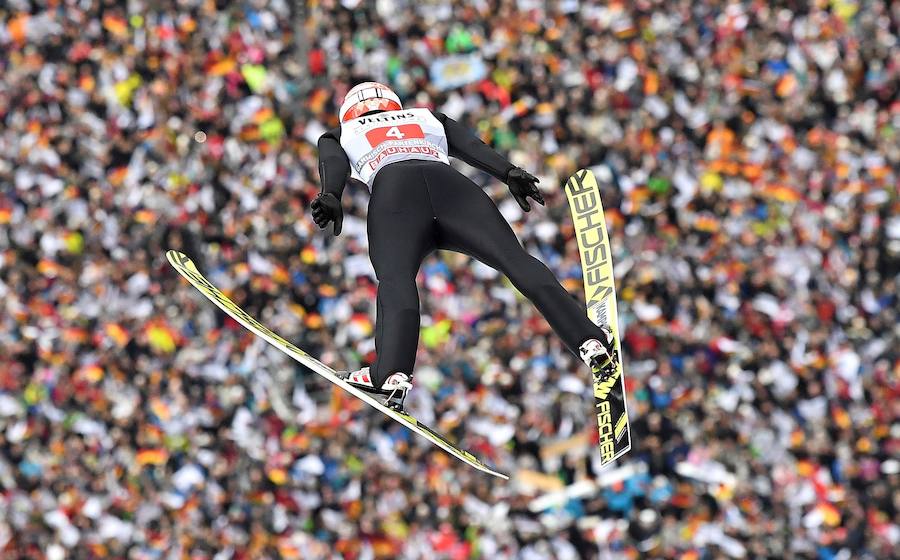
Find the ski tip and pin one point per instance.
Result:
(177, 258)
(577, 179)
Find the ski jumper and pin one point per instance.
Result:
(419, 204)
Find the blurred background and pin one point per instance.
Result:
(748, 154)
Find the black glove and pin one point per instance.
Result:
(326, 208)
(522, 184)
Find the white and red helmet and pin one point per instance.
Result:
(367, 97)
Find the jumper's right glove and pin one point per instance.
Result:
(327, 208)
(522, 185)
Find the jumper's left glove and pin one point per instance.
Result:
(327, 208)
(522, 185)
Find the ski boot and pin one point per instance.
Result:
(392, 392)
(600, 355)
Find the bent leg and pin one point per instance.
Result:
(400, 235)
(396, 328)
(469, 222)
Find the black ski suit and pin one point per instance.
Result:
(419, 206)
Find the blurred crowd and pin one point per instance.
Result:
(748, 154)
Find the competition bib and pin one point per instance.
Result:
(373, 141)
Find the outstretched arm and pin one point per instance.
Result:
(464, 145)
(334, 170)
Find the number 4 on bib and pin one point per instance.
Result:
(398, 132)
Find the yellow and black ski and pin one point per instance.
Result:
(600, 297)
(185, 266)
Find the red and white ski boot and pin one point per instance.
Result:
(392, 392)
(600, 355)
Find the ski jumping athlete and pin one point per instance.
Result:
(418, 204)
